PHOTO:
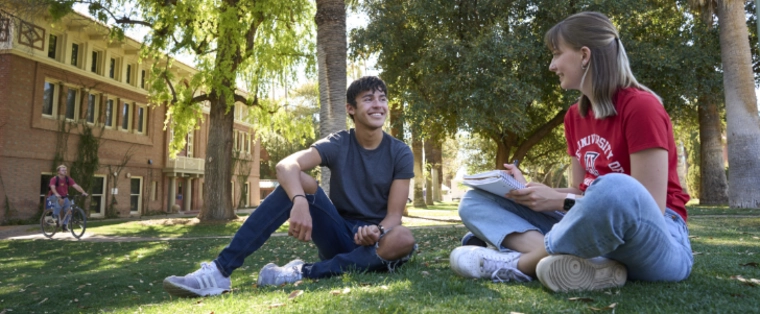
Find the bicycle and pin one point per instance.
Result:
(77, 219)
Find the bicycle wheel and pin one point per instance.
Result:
(78, 222)
(47, 223)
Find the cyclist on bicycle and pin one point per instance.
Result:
(59, 192)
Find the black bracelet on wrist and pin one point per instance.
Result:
(293, 200)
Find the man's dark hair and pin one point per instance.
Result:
(364, 84)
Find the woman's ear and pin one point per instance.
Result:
(585, 56)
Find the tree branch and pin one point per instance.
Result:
(539, 134)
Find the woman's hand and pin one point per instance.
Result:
(512, 170)
(538, 197)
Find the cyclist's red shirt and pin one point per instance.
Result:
(63, 185)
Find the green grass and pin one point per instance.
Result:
(49, 276)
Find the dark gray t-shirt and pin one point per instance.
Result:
(361, 179)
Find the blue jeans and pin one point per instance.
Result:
(332, 234)
(617, 218)
(53, 200)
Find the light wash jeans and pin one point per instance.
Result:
(332, 234)
(617, 218)
(53, 201)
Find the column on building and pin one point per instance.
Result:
(172, 192)
(188, 194)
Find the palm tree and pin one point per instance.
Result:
(743, 124)
(331, 64)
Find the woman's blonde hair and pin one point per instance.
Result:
(609, 64)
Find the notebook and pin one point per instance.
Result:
(495, 181)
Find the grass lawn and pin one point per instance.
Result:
(49, 276)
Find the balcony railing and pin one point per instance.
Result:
(186, 164)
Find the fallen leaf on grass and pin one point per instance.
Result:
(696, 253)
(339, 292)
(297, 283)
(295, 294)
(693, 237)
(43, 301)
(425, 273)
(199, 302)
(753, 264)
(749, 282)
(276, 305)
(607, 308)
(581, 299)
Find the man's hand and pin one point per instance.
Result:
(367, 235)
(60, 201)
(300, 220)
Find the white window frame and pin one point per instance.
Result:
(80, 54)
(190, 144)
(139, 195)
(116, 68)
(113, 113)
(99, 63)
(142, 124)
(130, 115)
(102, 194)
(95, 109)
(56, 93)
(77, 102)
(58, 41)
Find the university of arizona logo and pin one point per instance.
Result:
(590, 161)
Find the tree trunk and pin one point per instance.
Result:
(428, 166)
(713, 176)
(331, 64)
(419, 177)
(397, 121)
(436, 158)
(217, 187)
(743, 129)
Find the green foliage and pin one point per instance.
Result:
(87, 161)
(482, 67)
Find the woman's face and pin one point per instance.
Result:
(566, 63)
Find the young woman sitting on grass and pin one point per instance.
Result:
(624, 215)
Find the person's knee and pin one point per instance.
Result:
(397, 243)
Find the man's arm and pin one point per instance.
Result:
(399, 193)
(79, 188)
(289, 172)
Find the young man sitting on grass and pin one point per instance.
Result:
(357, 228)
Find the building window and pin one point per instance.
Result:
(92, 105)
(52, 45)
(245, 194)
(140, 112)
(109, 113)
(97, 193)
(112, 69)
(71, 103)
(129, 74)
(44, 187)
(142, 79)
(125, 116)
(135, 199)
(75, 54)
(97, 56)
(190, 139)
(49, 99)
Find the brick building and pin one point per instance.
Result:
(69, 74)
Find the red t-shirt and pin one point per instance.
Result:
(63, 185)
(605, 146)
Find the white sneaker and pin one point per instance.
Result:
(479, 262)
(206, 281)
(273, 275)
(573, 273)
